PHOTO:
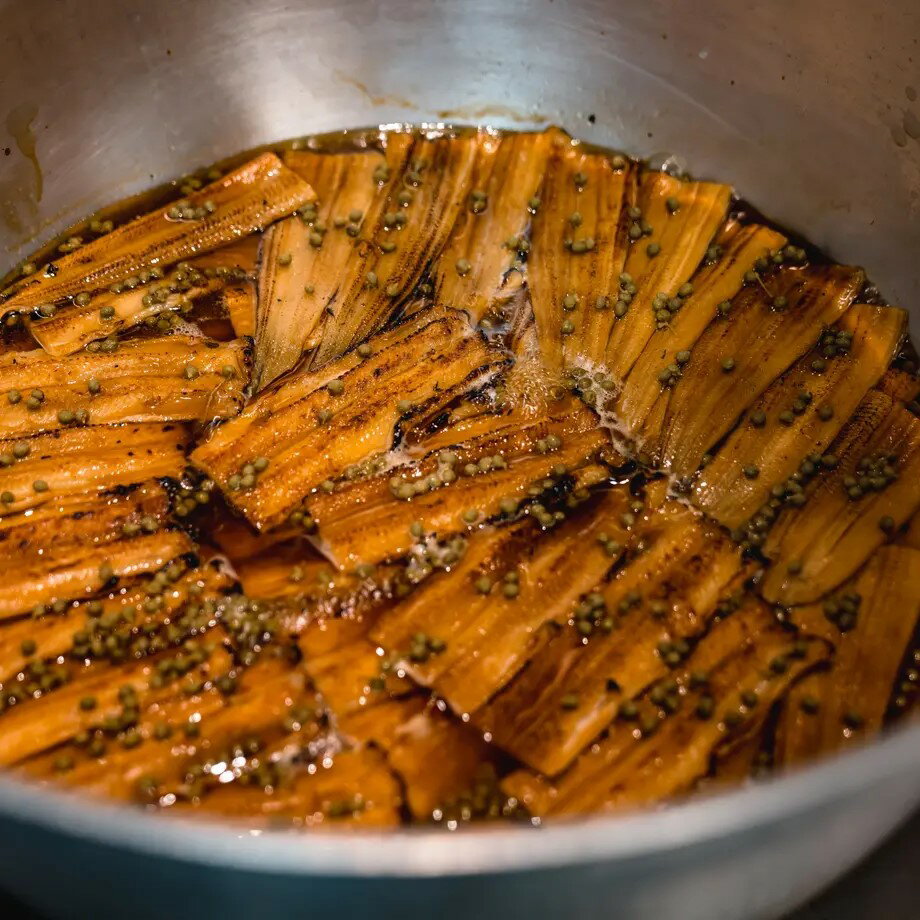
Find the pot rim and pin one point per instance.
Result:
(422, 852)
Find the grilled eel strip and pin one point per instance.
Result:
(57, 465)
(488, 609)
(480, 268)
(642, 404)
(414, 733)
(411, 371)
(93, 542)
(871, 620)
(238, 304)
(724, 374)
(859, 499)
(265, 693)
(60, 715)
(156, 729)
(83, 628)
(243, 201)
(304, 258)
(352, 789)
(580, 241)
(664, 742)
(293, 570)
(154, 294)
(900, 385)
(159, 379)
(371, 705)
(452, 490)
(618, 639)
(405, 228)
(676, 222)
(799, 414)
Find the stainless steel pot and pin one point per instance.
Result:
(810, 109)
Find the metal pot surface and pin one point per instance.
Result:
(811, 110)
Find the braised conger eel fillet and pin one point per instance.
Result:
(447, 475)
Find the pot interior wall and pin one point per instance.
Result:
(811, 110)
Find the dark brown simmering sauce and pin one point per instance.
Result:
(443, 476)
